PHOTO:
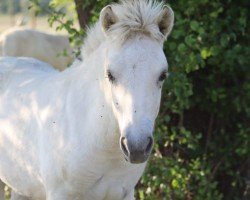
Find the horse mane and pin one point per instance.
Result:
(135, 18)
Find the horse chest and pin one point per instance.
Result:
(103, 180)
(115, 184)
(103, 188)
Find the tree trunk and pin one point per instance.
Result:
(83, 12)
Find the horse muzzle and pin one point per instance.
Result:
(136, 151)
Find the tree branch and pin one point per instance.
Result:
(83, 12)
(209, 131)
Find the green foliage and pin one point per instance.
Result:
(208, 94)
(59, 18)
(202, 133)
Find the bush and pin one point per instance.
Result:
(203, 128)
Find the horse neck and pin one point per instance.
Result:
(89, 92)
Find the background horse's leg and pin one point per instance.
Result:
(15, 196)
(2, 185)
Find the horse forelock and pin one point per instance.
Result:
(135, 18)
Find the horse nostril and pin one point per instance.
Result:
(150, 144)
(123, 146)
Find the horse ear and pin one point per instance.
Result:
(107, 18)
(166, 21)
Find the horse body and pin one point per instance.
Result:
(65, 135)
(46, 47)
(21, 154)
(49, 147)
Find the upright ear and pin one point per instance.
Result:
(166, 21)
(107, 18)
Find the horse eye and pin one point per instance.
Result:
(110, 76)
(163, 76)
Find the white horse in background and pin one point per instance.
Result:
(46, 47)
(87, 132)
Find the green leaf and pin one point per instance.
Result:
(205, 53)
(194, 25)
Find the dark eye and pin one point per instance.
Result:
(110, 76)
(163, 76)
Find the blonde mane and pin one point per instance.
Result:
(135, 18)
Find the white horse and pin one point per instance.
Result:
(36, 44)
(1, 46)
(90, 134)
